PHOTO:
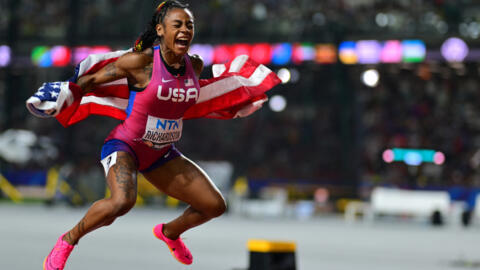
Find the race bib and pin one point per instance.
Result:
(160, 132)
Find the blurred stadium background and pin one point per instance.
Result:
(376, 93)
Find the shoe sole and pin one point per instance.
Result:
(171, 251)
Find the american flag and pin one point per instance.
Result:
(189, 82)
(50, 98)
(237, 89)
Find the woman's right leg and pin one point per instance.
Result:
(122, 181)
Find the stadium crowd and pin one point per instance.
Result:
(334, 129)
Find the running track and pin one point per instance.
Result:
(27, 233)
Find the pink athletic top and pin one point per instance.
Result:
(154, 115)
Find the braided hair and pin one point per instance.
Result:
(149, 36)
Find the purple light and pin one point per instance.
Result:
(80, 53)
(368, 51)
(302, 52)
(100, 49)
(5, 55)
(388, 156)
(308, 52)
(413, 158)
(439, 158)
(454, 50)
(205, 51)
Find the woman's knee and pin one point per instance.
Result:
(215, 207)
(121, 206)
(109, 221)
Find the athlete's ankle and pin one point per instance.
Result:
(168, 233)
(68, 238)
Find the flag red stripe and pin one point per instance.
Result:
(230, 99)
(93, 108)
(119, 90)
(229, 113)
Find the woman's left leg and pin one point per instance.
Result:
(182, 179)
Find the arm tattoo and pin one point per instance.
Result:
(111, 70)
(148, 70)
(87, 82)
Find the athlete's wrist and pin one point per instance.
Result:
(85, 84)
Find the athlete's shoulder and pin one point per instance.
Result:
(135, 60)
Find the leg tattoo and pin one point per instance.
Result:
(123, 185)
(123, 175)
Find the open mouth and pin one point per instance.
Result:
(181, 42)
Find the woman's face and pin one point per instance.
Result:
(177, 30)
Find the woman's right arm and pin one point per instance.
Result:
(125, 67)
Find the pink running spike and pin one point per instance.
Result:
(58, 256)
(177, 247)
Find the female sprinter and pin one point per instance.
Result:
(165, 82)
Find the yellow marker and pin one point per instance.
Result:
(172, 202)
(241, 186)
(66, 190)
(257, 245)
(10, 190)
(271, 255)
(52, 182)
(140, 201)
(108, 193)
(146, 188)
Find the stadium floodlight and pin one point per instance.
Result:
(381, 19)
(277, 103)
(370, 77)
(285, 75)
